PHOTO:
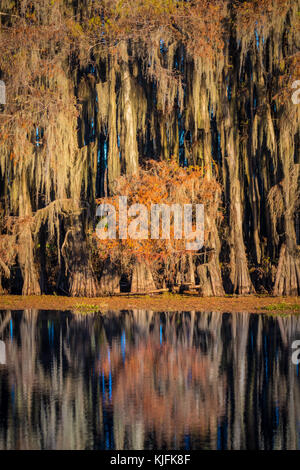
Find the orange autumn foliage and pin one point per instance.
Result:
(160, 182)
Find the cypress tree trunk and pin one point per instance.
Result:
(31, 284)
(26, 259)
(128, 115)
(240, 277)
(113, 159)
(1, 287)
(142, 279)
(110, 279)
(209, 274)
(287, 280)
(82, 281)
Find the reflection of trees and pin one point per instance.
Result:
(168, 384)
(46, 407)
(141, 379)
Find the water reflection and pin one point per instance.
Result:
(2, 353)
(138, 379)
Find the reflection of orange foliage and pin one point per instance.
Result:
(167, 388)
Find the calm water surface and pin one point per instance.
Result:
(144, 380)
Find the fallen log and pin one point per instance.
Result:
(156, 291)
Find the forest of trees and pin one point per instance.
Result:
(108, 95)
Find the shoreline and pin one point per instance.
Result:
(159, 303)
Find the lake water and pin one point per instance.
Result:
(145, 380)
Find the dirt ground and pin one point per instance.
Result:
(163, 302)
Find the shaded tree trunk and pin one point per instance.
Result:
(240, 277)
(31, 284)
(82, 281)
(210, 278)
(142, 279)
(287, 280)
(186, 270)
(1, 287)
(128, 124)
(110, 279)
(113, 159)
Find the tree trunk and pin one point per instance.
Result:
(42, 261)
(186, 273)
(31, 284)
(110, 279)
(287, 280)
(240, 277)
(82, 281)
(1, 287)
(113, 159)
(128, 116)
(209, 274)
(210, 278)
(142, 279)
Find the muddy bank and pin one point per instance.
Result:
(164, 302)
